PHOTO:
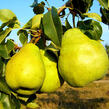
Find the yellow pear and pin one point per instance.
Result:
(25, 71)
(52, 78)
(82, 60)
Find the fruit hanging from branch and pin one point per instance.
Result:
(82, 60)
(52, 80)
(25, 71)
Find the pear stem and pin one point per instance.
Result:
(73, 15)
(17, 47)
(31, 41)
(44, 40)
(67, 4)
(36, 40)
(36, 36)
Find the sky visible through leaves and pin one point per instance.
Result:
(24, 12)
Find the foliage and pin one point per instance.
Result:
(50, 31)
(107, 49)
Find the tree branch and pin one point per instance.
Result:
(67, 4)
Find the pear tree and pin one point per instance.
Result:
(52, 51)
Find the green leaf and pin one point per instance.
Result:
(14, 102)
(2, 67)
(108, 4)
(67, 24)
(94, 16)
(36, 21)
(32, 105)
(105, 15)
(107, 49)
(4, 87)
(4, 101)
(10, 45)
(13, 23)
(91, 28)
(28, 25)
(82, 6)
(9, 18)
(6, 15)
(52, 26)
(9, 101)
(104, 3)
(4, 52)
(23, 36)
(40, 43)
(53, 49)
(4, 34)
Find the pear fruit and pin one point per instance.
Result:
(52, 79)
(82, 60)
(1, 105)
(25, 70)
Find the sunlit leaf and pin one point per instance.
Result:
(28, 25)
(32, 105)
(94, 16)
(104, 3)
(9, 18)
(6, 15)
(36, 21)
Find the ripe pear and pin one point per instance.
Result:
(52, 79)
(82, 60)
(25, 71)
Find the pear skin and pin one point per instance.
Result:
(52, 79)
(25, 71)
(1, 105)
(82, 60)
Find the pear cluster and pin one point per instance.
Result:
(81, 61)
(31, 70)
